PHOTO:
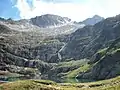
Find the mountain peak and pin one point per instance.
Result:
(96, 16)
(48, 15)
(92, 21)
(48, 20)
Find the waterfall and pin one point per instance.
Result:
(59, 55)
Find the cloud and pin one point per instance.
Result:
(75, 11)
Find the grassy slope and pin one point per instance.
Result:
(71, 75)
(72, 63)
(29, 85)
(111, 84)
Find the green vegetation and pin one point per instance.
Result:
(102, 52)
(114, 51)
(107, 51)
(28, 71)
(83, 68)
(9, 74)
(6, 75)
(29, 85)
(113, 48)
(73, 63)
(75, 67)
(111, 84)
(70, 77)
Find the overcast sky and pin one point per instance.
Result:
(77, 10)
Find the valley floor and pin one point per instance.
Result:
(111, 84)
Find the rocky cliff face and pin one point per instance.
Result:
(85, 42)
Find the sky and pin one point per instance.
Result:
(77, 10)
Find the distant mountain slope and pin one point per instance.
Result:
(48, 24)
(87, 41)
(49, 20)
(92, 21)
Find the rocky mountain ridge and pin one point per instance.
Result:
(52, 25)
(49, 20)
